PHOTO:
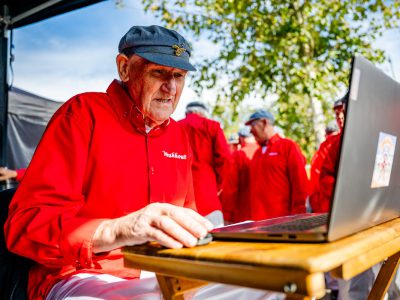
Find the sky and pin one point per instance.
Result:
(75, 52)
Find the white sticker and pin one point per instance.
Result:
(383, 160)
(355, 82)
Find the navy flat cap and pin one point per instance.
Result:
(260, 114)
(157, 44)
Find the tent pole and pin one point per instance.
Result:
(4, 21)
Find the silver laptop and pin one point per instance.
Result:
(367, 187)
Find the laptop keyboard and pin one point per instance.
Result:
(298, 225)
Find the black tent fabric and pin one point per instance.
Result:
(28, 115)
(24, 12)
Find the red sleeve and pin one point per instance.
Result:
(221, 154)
(327, 177)
(20, 174)
(298, 179)
(43, 223)
(190, 198)
(315, 172)
(229, 196)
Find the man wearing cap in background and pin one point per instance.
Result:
(211, 156)
(358, 287)
(72, 215)
(235, 195)
(278, 179)
(320, 199)
(325, 149)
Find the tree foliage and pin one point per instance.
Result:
(299, 51)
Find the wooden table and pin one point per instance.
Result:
(296, 269)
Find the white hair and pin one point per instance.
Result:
(197, 110)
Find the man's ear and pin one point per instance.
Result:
(123, 67)
(265, 122)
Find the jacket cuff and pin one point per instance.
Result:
(20, 174)
(77, 241)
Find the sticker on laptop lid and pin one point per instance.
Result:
(383, 160)
(355, 82)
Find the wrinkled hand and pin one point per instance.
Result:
(6, 174)
(171, 226)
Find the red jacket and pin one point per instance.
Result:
(94, 162)
(210, 159)
(315, 171)
(322, 201)
(279, 181)
(236, 193)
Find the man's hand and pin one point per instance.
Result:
(6, 174)
(171, 226)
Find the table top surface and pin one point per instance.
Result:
(367, 248)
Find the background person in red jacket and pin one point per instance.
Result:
(359, 286)
(320, 155)
(320, 200)
(235, 196)
(278, 179)
(211, 156)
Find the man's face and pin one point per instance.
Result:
(156, 89)
(257, 128)
(339, 115)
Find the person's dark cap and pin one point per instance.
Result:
(342, 101)
(197, 104)
(157, 44)
(331, 127)
(260, 114)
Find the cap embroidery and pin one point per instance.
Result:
(179, 50)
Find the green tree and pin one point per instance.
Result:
(298, 51)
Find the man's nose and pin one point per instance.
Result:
(169, 86)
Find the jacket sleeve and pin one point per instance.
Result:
(230, 190)
(315, 172)
(328, 177)
(20, 174)
(190, 198)
(298, 179)
(43, 223)
(221, 154)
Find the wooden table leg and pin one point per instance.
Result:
(174, 288)
(384, 278)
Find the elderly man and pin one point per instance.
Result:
(72, 216)
(278, 178)
(211, 156)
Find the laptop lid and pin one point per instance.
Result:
(368, 178)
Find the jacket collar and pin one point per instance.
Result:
(127, 110)
(276, 137)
